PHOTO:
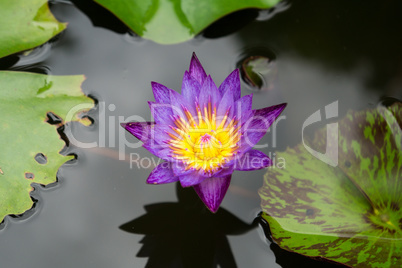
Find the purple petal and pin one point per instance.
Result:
(161, 93)
(191, 179)
(252, 160)
(159, 151)
(160, 134)
(141, 130)
(190, 88)
(226, 104)
(196, 70)
(256, 127)
(227, 170)
(209, 92)
(162, 174)
(243, 108)
(212, 190)
(161, 112)
(232, 83)
(179, 168)
(178, 102)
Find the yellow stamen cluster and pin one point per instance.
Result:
(204, 141)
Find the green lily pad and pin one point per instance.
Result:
(25, 25)
(29, 144)
(175, 21)
(351, 213)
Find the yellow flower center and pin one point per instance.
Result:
(204, 141)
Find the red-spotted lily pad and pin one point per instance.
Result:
(25, 25)
(29, 145)
(174, 21)
(351, 213)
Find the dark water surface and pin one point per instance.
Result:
(101, 213)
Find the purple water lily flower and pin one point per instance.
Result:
(204, 133)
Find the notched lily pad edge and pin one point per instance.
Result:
(268, 234)
(34, 195)
(36, 189)
(72, 157)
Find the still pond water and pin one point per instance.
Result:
(101, 213)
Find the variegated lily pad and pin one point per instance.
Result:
(350, 213)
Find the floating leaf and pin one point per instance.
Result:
(29, 145)
(352, 213)
(25, 25)
(257, 71)
(175, 21)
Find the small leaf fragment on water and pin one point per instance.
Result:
(258, 71)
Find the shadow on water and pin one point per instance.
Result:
(100, 16)
(230, 23)
(186, 234)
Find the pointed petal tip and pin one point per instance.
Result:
(282, 106)
(213, 209)
(156, 84)
(151, 182)
(162, 174)
(236, 72)
(267, 162)
(161, 92)
(140, 130)
(194, 60)
(277, 109)
(196, 70)
(232, 83)
(209, 79)
(212, 191)
(252, 160)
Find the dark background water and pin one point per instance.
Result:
(101, 213)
